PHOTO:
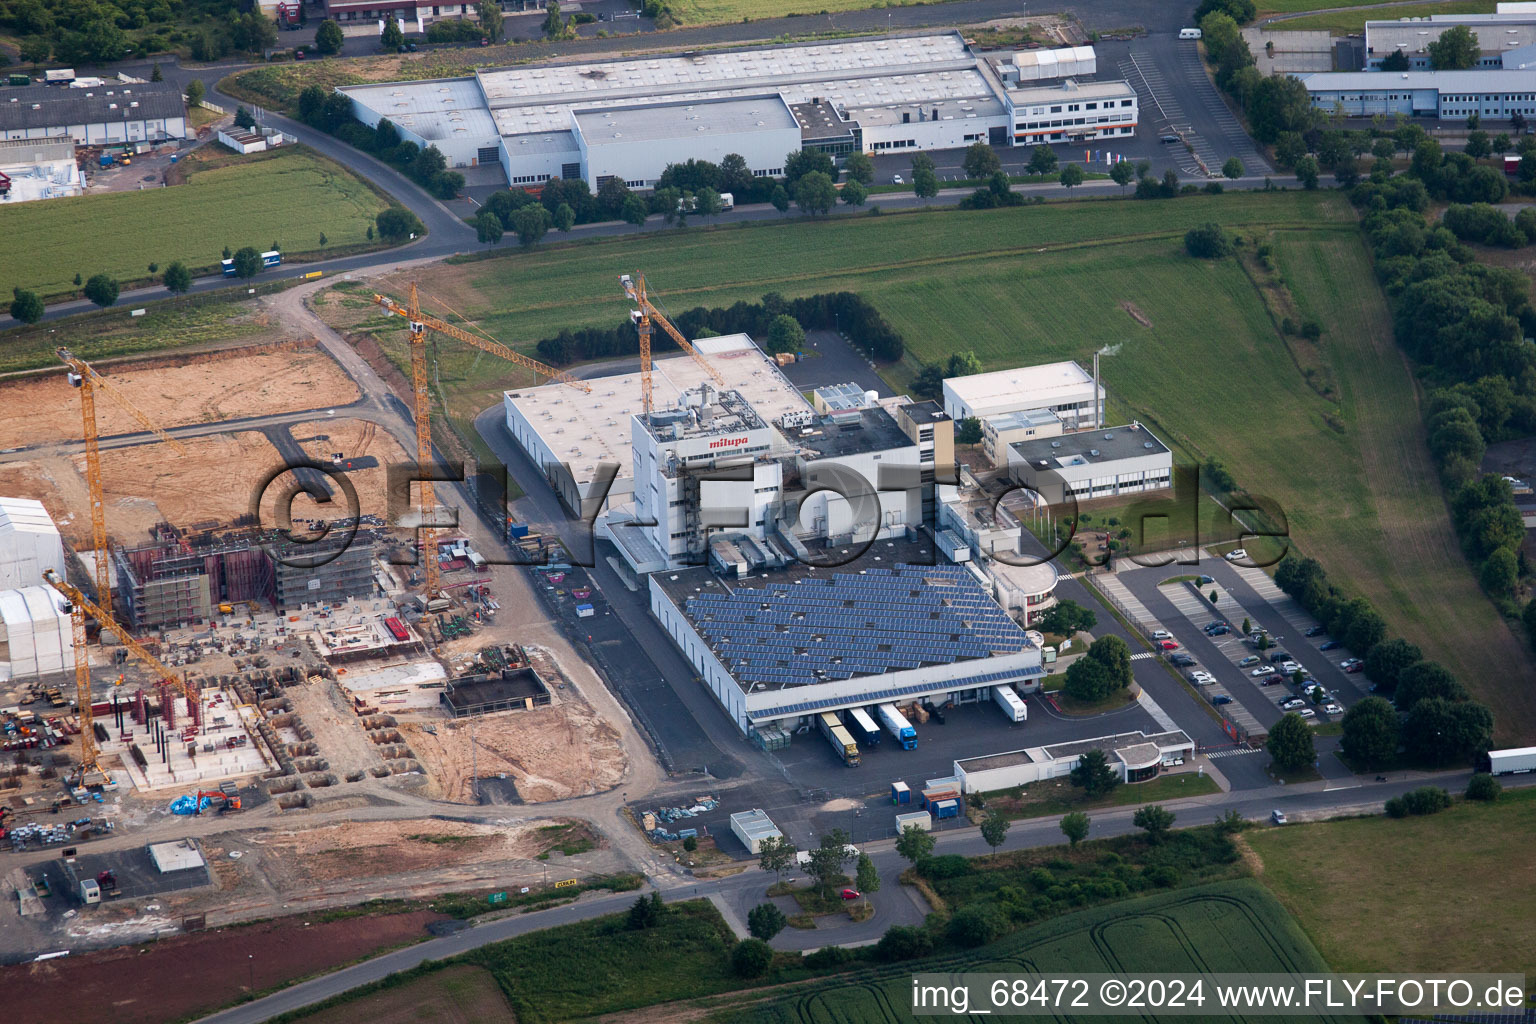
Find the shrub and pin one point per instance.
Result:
(828, 956)
(1207, 242)
(1424, 800)
(949, 865)
(1484, 787)
(751, 958)
(902, 942)
(977, 924)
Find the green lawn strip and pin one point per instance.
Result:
(715, 12)
(1059, 796)
(289, 196)
(1353, 21)
(889, 188)
(1456, 884)
(447, 996)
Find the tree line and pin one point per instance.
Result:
(332, 113)
(860, 322)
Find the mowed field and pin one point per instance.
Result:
(1204, 364)
(289, 196)
(1228, 927)
(711, 12)
(1347, 21)
(454, 995)
(1448, 892)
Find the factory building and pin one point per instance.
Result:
(1135, 757)
(1496, 34)
(629, 117)
(1449, 95)
(1072, 111)
(1065, 389)
(776, 652)
(29, 543)
(1092, 464)
(999, 432)
(100, 115)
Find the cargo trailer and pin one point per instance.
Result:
(842, 743)
(1512, 761)
(898, 726)
(863, 727)
(1007, 698)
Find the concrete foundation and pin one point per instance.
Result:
(175, 768)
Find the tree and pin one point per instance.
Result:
(488, 227)
(1042, 160)
(776, 854)
(1439, 732)
(247, 262)
(1388, 661)
(323, 240)
(531, 223)
(1247, 626)
(392, 39)
(1072, 176)
(815, 193)
(780, 199)
(903, 942)
(177, 279)
(396, 224)
(765, 921)
(914, 844)
(328, 37)
(1371, 733)
(1121, 174)
(707, 202)
(1455, 50)
(968, 431)
(1075, 827)
(866, 877)
(806, 161)
(1425, 680)
(922, 162)
(980, 161)
(827, 860)
(1233, 168)
(1484, 787)
(634, 211)
(1066, 618)
(994, 828)
(645, 912)
(101, 290)
(1207, 242)
(195, 92)
(977, 924)
(1478, 145)
(554, 28)
(925, 183)
(1155, 820)
(155, 74)
(1290, 744)
(36, 50)
(1231, 823)
(489, 15)
(1094, 774)
(26, 307)
(963, 364)
(565, 217)
(1088, 680)
(1115, 655)
(859, 167)
(785, 335)
(244, 118)
(1397, 60)
(751, 957)
(370, 234)
(1500, 573)
(1306, 172)
(854, 193)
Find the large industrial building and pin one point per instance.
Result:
(29, 543)
(629, 118)
(99, 115)
(1449, 95)
(1497, 35)
(777, 651)
(1064, 389)
(1092, 464)
(35, 632)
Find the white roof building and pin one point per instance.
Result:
(29, 543)
(36, 638)
(1064, 388)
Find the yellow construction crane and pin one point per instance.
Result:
(83, 376)
(634, 288)
(79, 605)
(419, 322)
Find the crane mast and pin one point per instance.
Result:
(645, 310)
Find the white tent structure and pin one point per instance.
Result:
(35, 634)
(29, 543)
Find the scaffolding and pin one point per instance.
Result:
(178, 581)
(325, 572)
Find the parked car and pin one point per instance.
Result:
(1329, 645)
(1221, 698)
(1358, 666)
(1202, 678)
(1261, 671)
(1333, 709)
(1276, 656)
(1203, 580)
(1277, 817)
(1272, 679)
(1252, 659)
(1180, 659)
(1347, 662)
(1292, 703)
(1168, 645)
(1169, 140)
(1306, 713)
(1288, 667)
(1317, 631)
(1218, 630)
(1236, 553)
(896, 180)
(1162, 634)
(851, 894)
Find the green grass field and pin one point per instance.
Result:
(1457, 884)
(289, 196)
(1039, 799)
(1350, 21)
(1232, 926)
(711, 12)
(1190, 348)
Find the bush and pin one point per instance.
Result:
(949, 865)
(1424, 800)
(828, 956)
(1484, 787)
(751, 958)
(1207, 242)
(398, 223)
(1164, 875)
(453, 31)
(977, 925)
(902, 942)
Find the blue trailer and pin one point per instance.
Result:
(864, 729)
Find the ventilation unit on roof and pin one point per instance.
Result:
(1147, 444)
(1094, 452)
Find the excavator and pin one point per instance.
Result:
(223, 801)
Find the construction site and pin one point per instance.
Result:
(212, 621)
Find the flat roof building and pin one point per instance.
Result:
(1073, 111)
(1092, 464)
(1490, 93)
(1000, 431)
(100, 115)
(1495, 34)
(1135, 756)
(1064, 388)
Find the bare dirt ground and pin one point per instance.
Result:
(337, 730)
(354, 438)
(189, 975)
(553, 752)
(219, 386)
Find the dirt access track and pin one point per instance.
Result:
(187, 976)
(175, 391)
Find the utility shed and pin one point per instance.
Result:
(752, 827)
(29, 543)
(182, 855)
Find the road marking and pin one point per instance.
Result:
(1235, 752)
(1142, 656)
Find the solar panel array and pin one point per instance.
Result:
(853, 624)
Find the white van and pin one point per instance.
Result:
(1189, 33)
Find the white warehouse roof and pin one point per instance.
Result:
(1485, 80)
(668, 121)
(29, 543)
(36, 636)
(1033, 387)
(178, 856)
(436, 110)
